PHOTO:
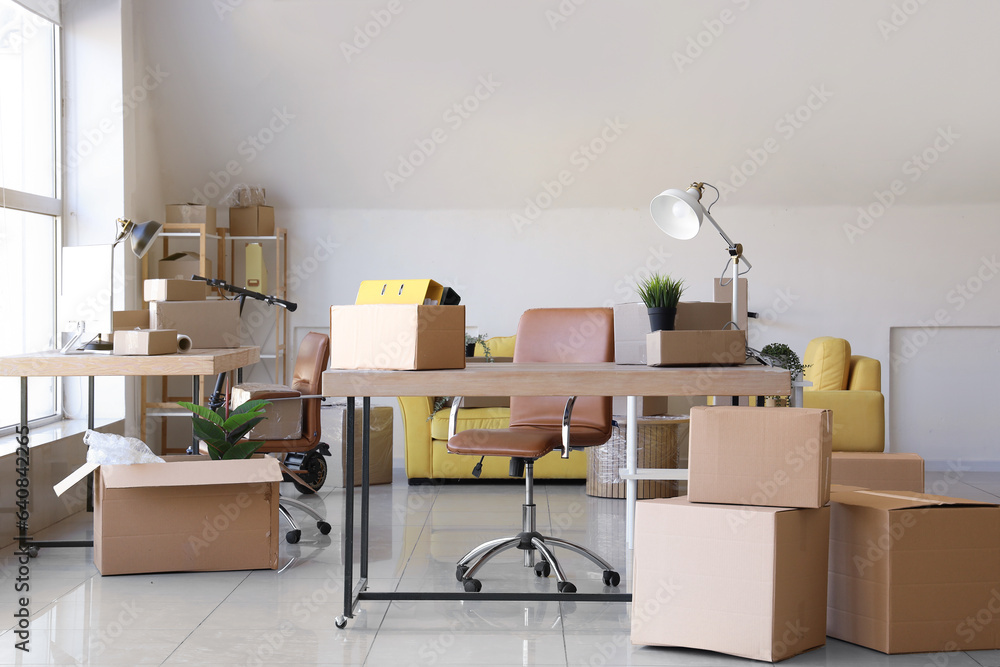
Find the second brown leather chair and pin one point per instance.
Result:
(539, 425)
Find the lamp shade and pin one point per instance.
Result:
(143, 235)
(678, 213)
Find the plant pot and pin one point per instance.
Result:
(661, 319)
(470, 349)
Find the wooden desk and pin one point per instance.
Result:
(528, 379)
(53, 364)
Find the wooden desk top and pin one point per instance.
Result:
(195, 362)
(540, 379)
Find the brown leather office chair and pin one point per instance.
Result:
(539, 425)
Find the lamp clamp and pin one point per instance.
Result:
(736, 250)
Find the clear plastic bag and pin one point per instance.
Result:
(111, 449)
(245, 196)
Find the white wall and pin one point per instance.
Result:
(809, 113)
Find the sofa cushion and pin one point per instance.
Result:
(500, 346)
(828, 362)
(469, 418)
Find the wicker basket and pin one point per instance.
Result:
(656, 448)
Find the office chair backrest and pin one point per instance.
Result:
(310, 362)
(566, 336)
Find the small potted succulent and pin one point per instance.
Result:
(661, 293)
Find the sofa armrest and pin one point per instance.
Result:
(415, 412)
(858, 418)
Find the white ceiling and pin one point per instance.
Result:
(889, 96)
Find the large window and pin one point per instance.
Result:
(30, 205)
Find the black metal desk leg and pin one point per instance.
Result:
(90, 426)
(348, 526)
(195, 396)
(366, 403)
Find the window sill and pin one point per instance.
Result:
(43, 435)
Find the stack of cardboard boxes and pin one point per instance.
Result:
(755, 563)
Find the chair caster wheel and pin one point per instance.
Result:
(472, 585)
(611, 578)
(542, 569)
(340, 622)
(566, 587)
(460, 572)
(324, 527)
(292, 536)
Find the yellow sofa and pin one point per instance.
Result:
(426, 437)
(850, 386)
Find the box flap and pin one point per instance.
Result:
(894, 500)
(191, 473)
(180, 255)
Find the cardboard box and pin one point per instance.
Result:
(183, 265)
(129, 319)
(145, 341)
(256, 271)
(397, 337)
(186, 516)
(696, 348)
(171, 289)
(878, 470)
(251, 221)
(334, 425)
(192, 214)
(913, 573)
(632, 325)
(284, 415)
(760, 456)
(419, 292)
(747, 581)
(209, 324)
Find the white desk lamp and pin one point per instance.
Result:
(679, 213)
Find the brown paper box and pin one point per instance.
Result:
(183, 265)
(632, 325)
(251, 221)
(334, 423)
(145, 341)
(747, 581)
(192, 214)
(696, 348)
(878, 470)
(171, 289)
(129, 319)
(187, 516)
(913, 573)
(397, 337)
(209, 324)
(777, 457)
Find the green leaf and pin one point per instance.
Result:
(237, 420)
(215, 452)
(249, 406)
(202, 412)
(241, 431)
(208, 431)
(242, 450)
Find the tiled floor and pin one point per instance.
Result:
(287, 616)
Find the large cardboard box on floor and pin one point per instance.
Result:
(912, 572)
(334, 423)
(632, 325)
(878, 470)
(397, 337)
(743, 580)
(760, 456)
(186, 516)
(209, 324)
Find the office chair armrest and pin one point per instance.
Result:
(456, 402)
(567, 413)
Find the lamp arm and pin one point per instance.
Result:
(727, 239)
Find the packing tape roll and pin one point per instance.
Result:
(183, 343)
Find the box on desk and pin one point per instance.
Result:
(878, 470)
(192, 214)
(397, 337)
(334, 423)
(209, 324)
(696, 348)
(145, 342)
(912, 572)
(186, 516)
(747, 581)
(129, 319)
(632, 325)
(173, 289)
(760, 456)
(251, 221)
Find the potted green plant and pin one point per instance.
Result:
(661, 293)
(782, 356)
(472, 341)
(223, 434)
